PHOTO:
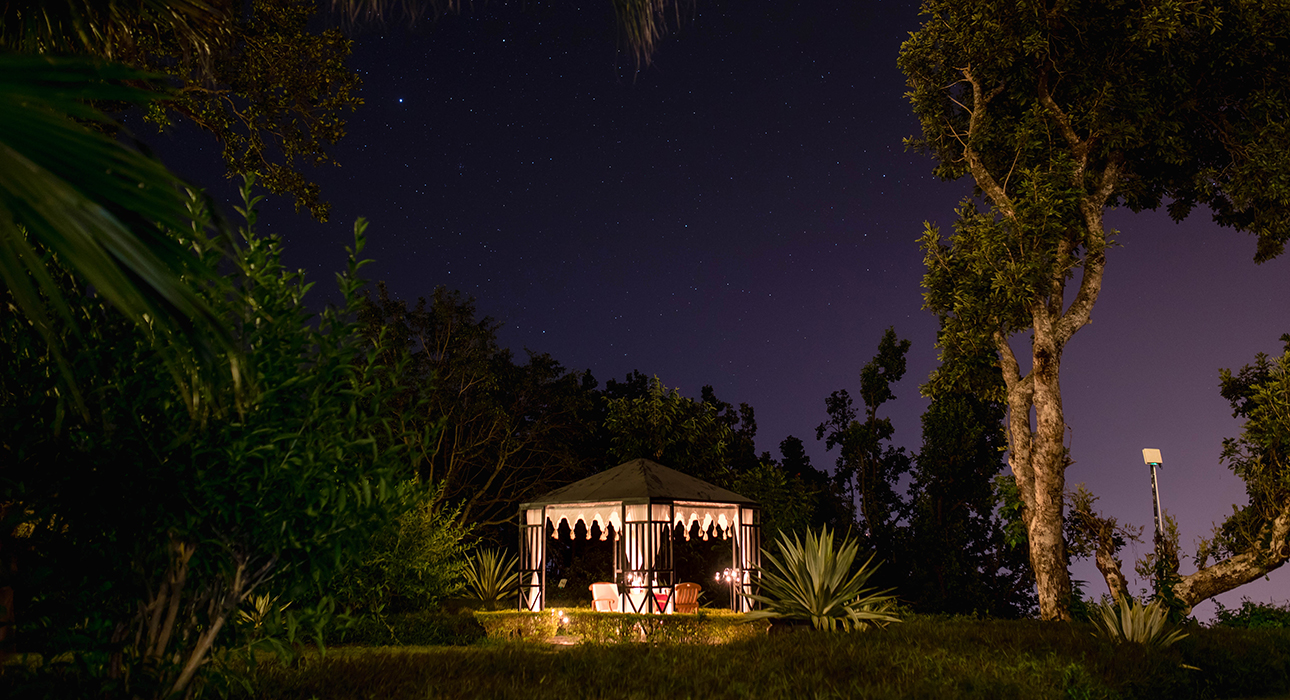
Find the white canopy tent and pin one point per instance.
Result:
(639, 504)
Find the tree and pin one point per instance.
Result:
(957, 555)
(271, 89)
(1091, 534)
(787, 503)
(742, 423)
(275, 92)
(501, 432)
(144, 524)
(1254, 540)
(678, 432)
(828, 506)
(867, 470)
(1058, 112)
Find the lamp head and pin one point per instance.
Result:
(1151, 456)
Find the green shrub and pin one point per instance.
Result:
(1253, 615)
(699, 628)
(514, 625)
(814, 582)
(412, 563)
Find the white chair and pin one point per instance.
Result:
(604, 597)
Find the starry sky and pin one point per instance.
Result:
(742, 213)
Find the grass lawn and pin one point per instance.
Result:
(922, 658)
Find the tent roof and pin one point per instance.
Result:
(639, 481)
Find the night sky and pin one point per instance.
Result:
(742, 213)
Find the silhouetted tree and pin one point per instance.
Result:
(868, 467)
(742, 422)
(956, 554)
(506, 431)
(828, 505)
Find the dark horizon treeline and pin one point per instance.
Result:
(510, 429)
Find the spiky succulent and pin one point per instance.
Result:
(1130, 621)
(812, 581)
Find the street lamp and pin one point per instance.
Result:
(1152, 457)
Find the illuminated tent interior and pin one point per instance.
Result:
(639, 504)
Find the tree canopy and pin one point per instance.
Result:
(663, 425)
(1058, 111)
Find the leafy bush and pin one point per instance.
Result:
(1130, 621)
(412, 563)
(1253, 615)
(814, 582)
(491, 577)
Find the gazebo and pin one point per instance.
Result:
(638, 504)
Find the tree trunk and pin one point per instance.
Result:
(1110, 568)
(1038, 459)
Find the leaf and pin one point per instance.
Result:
(101, 208)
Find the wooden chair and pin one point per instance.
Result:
(687, 597)
(604, 597)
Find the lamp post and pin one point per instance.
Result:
(729, 576)
(1152, 457)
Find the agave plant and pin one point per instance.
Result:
(261, 610)
(491, 576)
(813, 581)
(1130, 621)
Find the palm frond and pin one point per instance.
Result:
(100, 208)
(381, 10)
(110, 28)
(642, 23)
